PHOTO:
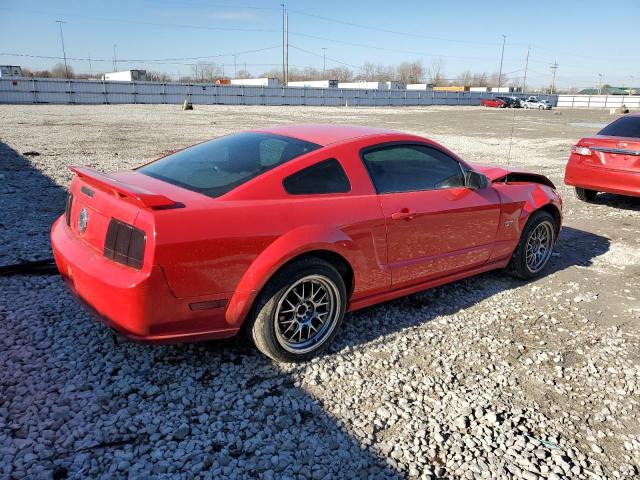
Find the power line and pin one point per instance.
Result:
(385, 30)
(324, 56)
(122, 60)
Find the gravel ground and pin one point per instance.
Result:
(484, 378)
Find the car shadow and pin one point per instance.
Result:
(574, 248)
(206, 407)
(618, 201)
(94, 407)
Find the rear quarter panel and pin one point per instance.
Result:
(235, 243)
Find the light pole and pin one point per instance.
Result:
(600, 84)
(285, 45)
(324, 60)
(504, 38)
(235, 67)
(526, 67)
(64, 54)
(115, 58)
(554, 67)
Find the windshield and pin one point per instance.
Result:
(218, 166)
(623, 127)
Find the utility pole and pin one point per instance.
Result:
(90, 68)
(526, 66)
(115, 58)
(324, 60)
(235, 67)
(554, 67)
(285, 44)
(600, 84)
(64, 54)
(504, 38)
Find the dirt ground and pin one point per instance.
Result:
(572, 336)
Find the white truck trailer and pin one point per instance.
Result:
(126, 76)
(256, 82)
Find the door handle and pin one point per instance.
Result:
(404, 214)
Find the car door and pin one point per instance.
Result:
(435, 224)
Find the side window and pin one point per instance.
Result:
(323, 177)
(405, 168)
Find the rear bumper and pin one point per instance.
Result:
(136, 303)
(602, 179)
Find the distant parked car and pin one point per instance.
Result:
(517, 102)
(536, 103)
(510, 102)
(493, 102)
(607, 162)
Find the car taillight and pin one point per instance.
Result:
(124, 244)
(578, 150)
(67, 210)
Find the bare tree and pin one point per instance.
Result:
(479, 80)
(495, 80)
(157, 76)
(243, 74)
(342, 74)
(410, 72)
(465, 79)
(60, 71)
(435, 73)
(206, 72)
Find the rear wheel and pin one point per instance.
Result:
(586, 195)
(535, 247)
(299, 311)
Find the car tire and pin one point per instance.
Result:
(290, 300)
(586, 195)
(541, 107)
(531, 256)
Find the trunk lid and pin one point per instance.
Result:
(619, 153)
(129, 197)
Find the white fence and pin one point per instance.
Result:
(599, 101)
(57, 91)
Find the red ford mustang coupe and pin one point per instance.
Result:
(607, 162)
(280, 231)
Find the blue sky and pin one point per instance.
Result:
(165, 35)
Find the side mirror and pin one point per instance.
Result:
(475, 180)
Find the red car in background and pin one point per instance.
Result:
(607, 162)
(493, 102)
(281, 231)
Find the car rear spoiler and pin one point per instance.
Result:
(138, 195)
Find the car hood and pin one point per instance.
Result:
(496, 173)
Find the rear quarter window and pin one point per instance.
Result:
(218, 166)
(325, 177)
(623, 127)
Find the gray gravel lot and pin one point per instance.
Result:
(484, 378)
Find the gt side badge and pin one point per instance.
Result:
(508, 223)
(83, 218)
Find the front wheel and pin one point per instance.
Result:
(535, 246)
(299, 311)
(586, 195)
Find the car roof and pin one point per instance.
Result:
(325, 134)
